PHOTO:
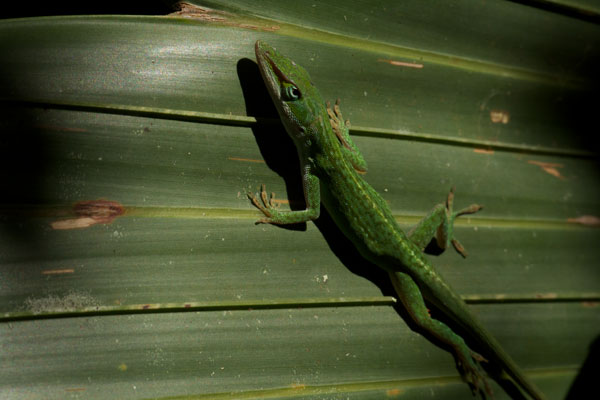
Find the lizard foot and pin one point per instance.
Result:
(266, 205)
(340, 127)
(472, 209)
(452, 215)
(473, 374)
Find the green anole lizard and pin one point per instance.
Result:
(330, 165)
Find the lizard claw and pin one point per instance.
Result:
(452, 215)
(473, 374)
(337, 122)
(265, 207)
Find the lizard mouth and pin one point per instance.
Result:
(272, 75)
(265, 65)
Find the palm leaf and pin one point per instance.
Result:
(130, 265)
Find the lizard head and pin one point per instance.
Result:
(297, 100)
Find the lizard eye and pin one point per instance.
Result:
(292, 92)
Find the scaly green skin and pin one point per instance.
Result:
(330, 164)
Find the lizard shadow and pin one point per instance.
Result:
(584, 382)
(280, 155)
(27, 161)
(347, 253)
(274, 144)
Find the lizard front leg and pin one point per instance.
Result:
(341, 129)
(312, 196)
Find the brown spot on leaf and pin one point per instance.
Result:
(550, 168)
(58, 271)
(74, 223)
(546, 296)
(192, 11)
(394, 392)
(483, 151)
(401, 63)
(298, 386)
(499, 116)
(280, 201)
(253, 160)
(103, 211)
(589, 220)
(90, 213)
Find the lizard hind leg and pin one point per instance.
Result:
(445, 233)
(468, 361)
(439, 224)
